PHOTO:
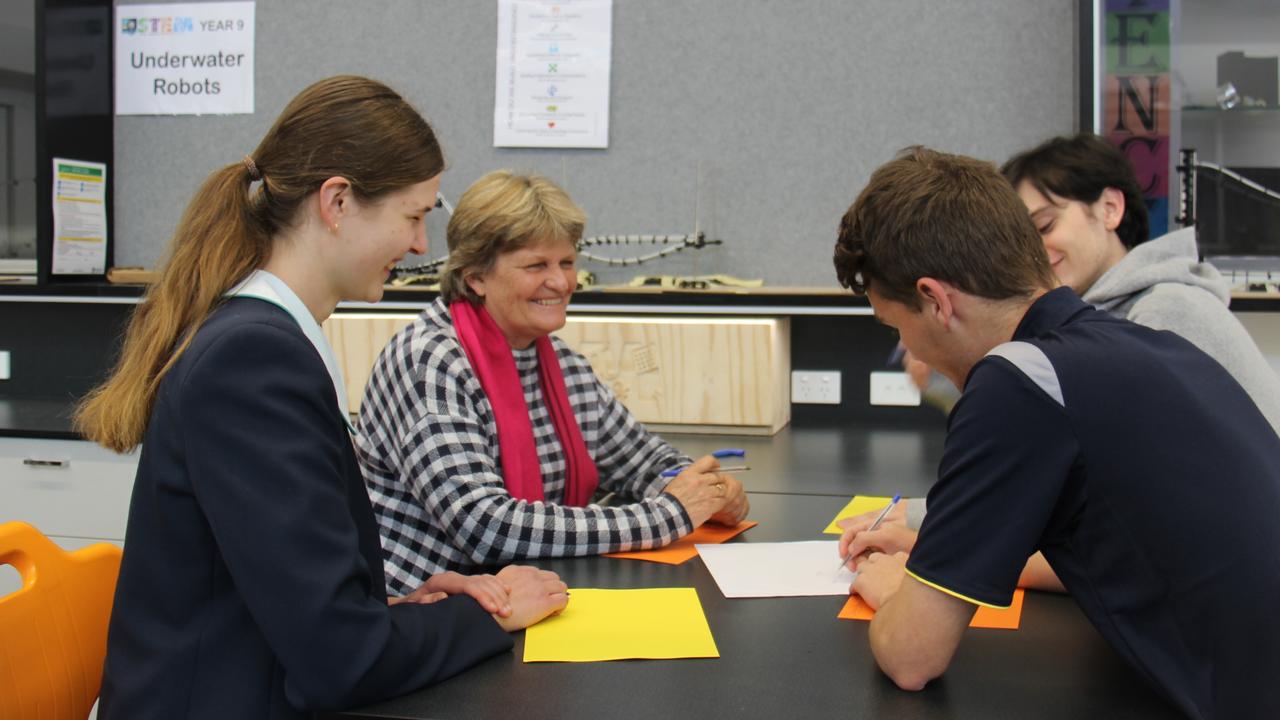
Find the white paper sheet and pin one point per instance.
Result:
(184, 58)
(787, 569)
(552, 81)
(79, 217)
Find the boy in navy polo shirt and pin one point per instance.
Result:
(1134, 461)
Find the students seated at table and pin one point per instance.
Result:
(251, 585)
(483, 438)
(1134, 461)
(1085, 200)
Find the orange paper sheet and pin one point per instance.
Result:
(683, 549)
(1007, 619)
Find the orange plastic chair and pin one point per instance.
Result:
(53, 631)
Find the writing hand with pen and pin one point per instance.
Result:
(707, 491)
(875, 545)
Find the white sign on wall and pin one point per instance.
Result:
(79, 217)
(184, 59)
(553, 73)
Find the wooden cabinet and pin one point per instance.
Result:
(692, 374)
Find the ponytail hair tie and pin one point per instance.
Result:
(254, 174)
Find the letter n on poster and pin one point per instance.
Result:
(553, 63)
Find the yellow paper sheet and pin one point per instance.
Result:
(683, 549)
(1007, 619)
(858, 505)
(654, 623)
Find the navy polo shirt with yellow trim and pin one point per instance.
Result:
(1147, 477)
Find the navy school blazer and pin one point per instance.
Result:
(252, 582)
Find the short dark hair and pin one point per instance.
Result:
(949, 217)
(1080, 167)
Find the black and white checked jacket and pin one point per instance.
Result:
(428, 448)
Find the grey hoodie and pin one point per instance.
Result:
(1163, 285)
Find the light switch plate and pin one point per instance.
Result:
(894, 388)
(4, 364)
(817, 387)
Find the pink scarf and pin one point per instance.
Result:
(490, 355)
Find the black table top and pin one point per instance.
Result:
(807, 458)
(791, 657)
(37, 418)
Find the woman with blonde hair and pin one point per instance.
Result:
(251, 585)
(484, 439)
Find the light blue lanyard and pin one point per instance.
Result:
(262, 285)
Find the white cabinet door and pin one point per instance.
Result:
(66, 488)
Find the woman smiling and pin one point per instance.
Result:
(483, 439)
(251, 585)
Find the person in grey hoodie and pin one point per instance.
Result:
(1084, 198)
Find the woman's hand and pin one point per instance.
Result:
(918, 372)
(421, 596)
(703, 492)
(735, 506)
(489, 591)
(534, 595)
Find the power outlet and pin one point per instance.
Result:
(894, 388)
(817, 387)
(4, 364)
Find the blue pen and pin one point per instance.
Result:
(721, 454)
(895, 357)
(879, 519)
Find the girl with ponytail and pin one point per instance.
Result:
(252, 581)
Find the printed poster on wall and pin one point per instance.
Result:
(184, 59)
(1138, 99)
(79, 217)
(552, 86)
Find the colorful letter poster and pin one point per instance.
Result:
(552, 83)
(79, 217)
(1137, 97)
(184, 59)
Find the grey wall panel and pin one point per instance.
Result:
(765, 117)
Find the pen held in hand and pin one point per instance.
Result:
(879, 519)
(727, 469)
